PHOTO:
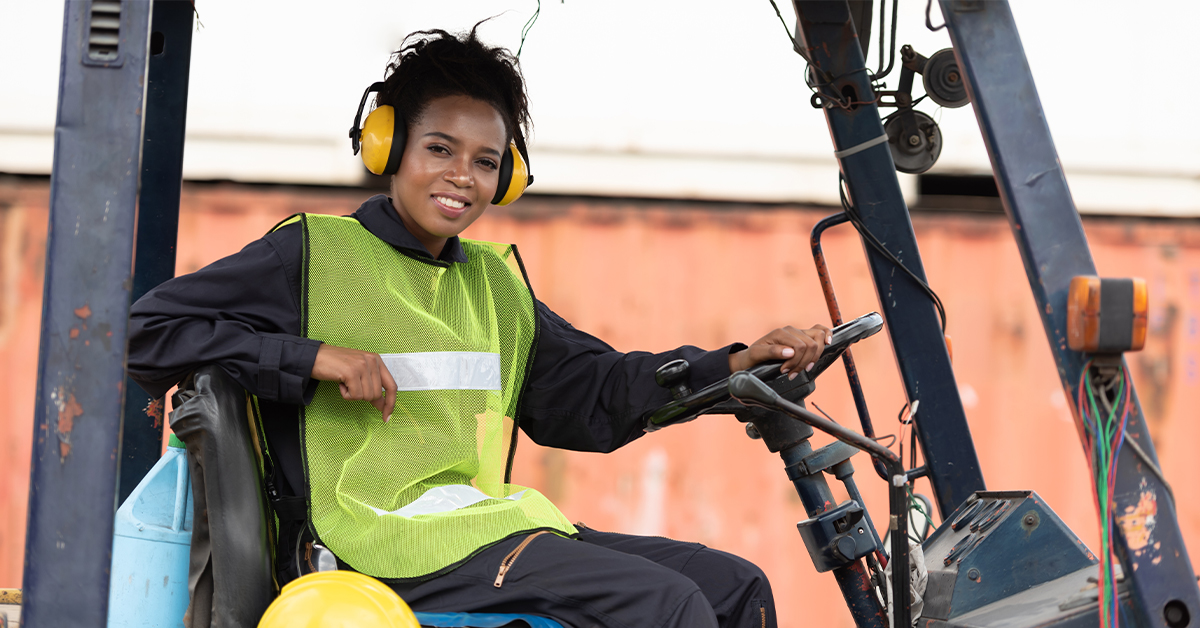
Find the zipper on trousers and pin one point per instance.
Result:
(508, 561)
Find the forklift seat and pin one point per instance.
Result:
(230, 573)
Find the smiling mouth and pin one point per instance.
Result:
(449, 202)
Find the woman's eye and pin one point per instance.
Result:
(438, 148)
(488, 163)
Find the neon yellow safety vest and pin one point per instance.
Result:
(421, 493)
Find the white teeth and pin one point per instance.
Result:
(449, 202)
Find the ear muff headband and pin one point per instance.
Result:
(383, 135)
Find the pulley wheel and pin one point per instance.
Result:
(916, 152)
(943, 82)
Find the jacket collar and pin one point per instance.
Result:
(380, 218)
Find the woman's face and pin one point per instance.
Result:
(449, 170)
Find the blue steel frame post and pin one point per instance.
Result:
(89, 256)
(1054, 249)
(827, 34)
(158, 213)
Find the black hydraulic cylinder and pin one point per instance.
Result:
(81, 364)
(158, 213)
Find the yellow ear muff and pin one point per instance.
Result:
(514, 177)
(382, 143)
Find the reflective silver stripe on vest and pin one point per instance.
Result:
(443, 499)
(444, 370)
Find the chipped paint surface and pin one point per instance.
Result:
(83, 312)
(1137, 522)
(68, 409)
(154, 410)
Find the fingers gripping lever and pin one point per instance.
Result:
(714, 398)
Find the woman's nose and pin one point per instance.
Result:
(460, 175)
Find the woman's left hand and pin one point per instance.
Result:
(800, 349)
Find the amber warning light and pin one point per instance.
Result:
(1106, 315)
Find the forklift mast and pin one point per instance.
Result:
(118, 163)
(115, 189)
(1054, 249)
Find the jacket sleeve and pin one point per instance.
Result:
(241, 313)
(584, 395)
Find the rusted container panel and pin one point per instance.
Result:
(24, 213)
(654, 275)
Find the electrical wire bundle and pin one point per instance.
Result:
(1106, 436)
(856, 220)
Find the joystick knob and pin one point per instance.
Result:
(673, 376)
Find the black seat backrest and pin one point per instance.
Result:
(230, 575)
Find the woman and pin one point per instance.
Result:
(387, 355)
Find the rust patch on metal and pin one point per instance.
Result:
(66, 417)
(74, 333)
(154, 410)
(68, 409)
(1138, 521)
(83, 312)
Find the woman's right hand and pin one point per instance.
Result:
(359, 374)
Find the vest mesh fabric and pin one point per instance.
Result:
(363, 294)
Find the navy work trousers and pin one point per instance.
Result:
(606, 580)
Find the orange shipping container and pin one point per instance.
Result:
(653, 275)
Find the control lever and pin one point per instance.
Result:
(746, 387)
(750, 390)
(673, 376)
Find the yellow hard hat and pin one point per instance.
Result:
(338, 599)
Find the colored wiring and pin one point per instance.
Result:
(1106, 436)
(916, 504)
(529, 26)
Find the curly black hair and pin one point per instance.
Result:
(434, 63)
